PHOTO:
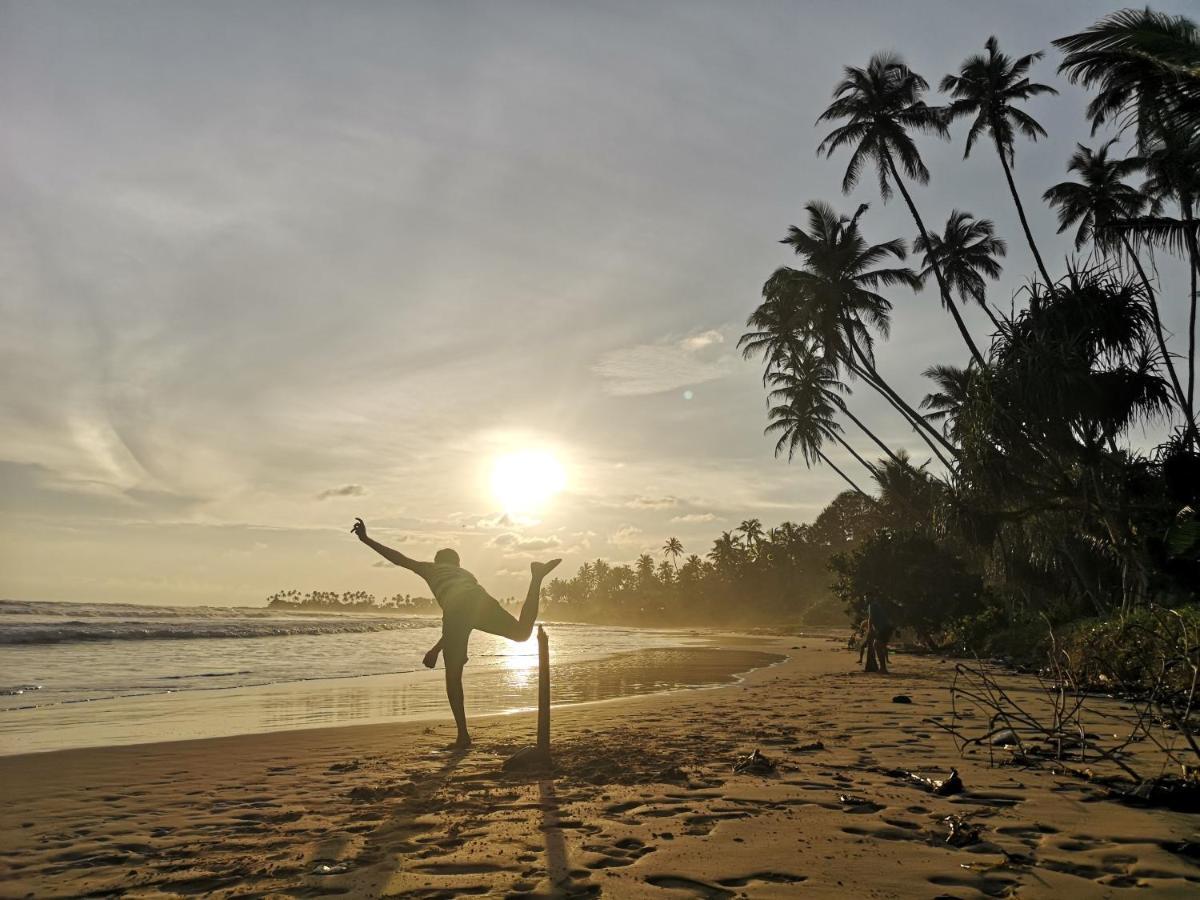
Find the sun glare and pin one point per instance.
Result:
(525, 482)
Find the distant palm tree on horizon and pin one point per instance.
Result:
(674, 549)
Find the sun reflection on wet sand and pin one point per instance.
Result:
(377, 698)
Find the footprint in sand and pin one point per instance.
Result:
(624, 853)
(763, 878)
(695, 888)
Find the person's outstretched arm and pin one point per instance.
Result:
(392, 556)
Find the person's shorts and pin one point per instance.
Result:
(470, 610)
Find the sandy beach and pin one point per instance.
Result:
(643, 803)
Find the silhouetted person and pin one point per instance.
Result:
(878, 628)
(465, 606)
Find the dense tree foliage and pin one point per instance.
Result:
(1036, 500)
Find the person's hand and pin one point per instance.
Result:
(360, 529)
(431, 658)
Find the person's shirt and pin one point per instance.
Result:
(445, 580)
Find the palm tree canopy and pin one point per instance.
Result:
(987, 86)
(1099, 198)
(880, 104)
(966, 253)
(803, 422)
(1144, 67)
(828, 304)
(945, 403)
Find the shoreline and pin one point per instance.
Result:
(346, 701)
(643, 803)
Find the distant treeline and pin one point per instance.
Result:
(353, 601)
(750, 576)
(359, 601)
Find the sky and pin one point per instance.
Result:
(267, 267)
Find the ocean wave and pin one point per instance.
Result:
(54, 622)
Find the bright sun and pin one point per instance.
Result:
(524, 482)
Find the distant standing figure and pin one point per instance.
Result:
(465, 607)
(877, 634)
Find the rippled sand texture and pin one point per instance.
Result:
(644, 803)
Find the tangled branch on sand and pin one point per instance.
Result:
(1063, 720)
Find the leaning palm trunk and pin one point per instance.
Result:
(866, 370)
(1194, 253)
(937, 269)
(846, 478)
(869, 433)
(1185, 401)
(866, 465)
(1012, 187)
(916, 421)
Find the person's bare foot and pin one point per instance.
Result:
(462, 743)
(541, 570)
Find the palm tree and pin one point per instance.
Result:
(674, 549)
(944, 404)
(753, 531)
(881, 104)
(1100, 198)
(1144, 65)
(726, 554)
(804, 424)
(966, 252)
(1173, 166)
(807, 374)
(987, 87)
(826, 306)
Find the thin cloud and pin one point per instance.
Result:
(664, 365)
(346, 490)
(514, 543)
(626, 534)
(653, 502)
(694, 517)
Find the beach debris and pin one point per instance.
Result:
(754, 763)
(858, 804)
(902, 698)
(1003, 738)
(943, 787)
(327, 868)
(1168, 791)
(960, 831)
(805, 748)
(348, 766)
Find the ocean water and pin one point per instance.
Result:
(76, 675)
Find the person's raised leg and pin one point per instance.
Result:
(529, 609)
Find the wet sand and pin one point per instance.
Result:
(411, 696)
(644, 803)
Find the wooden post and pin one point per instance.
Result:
(537, 758)
(543, 728)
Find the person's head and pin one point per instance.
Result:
(446, 557)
